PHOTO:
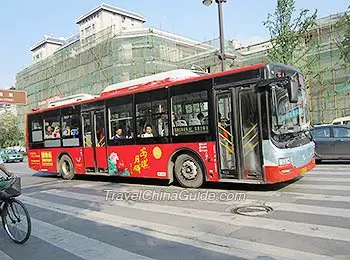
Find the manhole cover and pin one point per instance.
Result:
(252, 210)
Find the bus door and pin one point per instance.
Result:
(226, 135)
(95, 150)
(249, 133)
(238, 134)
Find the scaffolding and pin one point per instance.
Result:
(111, 57)
(328, 80)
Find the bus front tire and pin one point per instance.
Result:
(66, 168)
(188, 171)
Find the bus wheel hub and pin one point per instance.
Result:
(189, 170)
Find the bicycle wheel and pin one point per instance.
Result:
(16, 214)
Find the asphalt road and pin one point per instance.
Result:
(101, 218)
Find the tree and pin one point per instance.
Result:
(343, 25)
(290, 36)
(10, 134)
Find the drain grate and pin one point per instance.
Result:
(252, 210)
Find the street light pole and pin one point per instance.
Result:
(221, 30)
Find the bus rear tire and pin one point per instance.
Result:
(188, 171)
(66, 168)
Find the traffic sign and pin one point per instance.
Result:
(13, 97)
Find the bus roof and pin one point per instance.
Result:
(147, 83)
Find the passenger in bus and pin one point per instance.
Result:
(118, 135)
(200, 116)
(56, 133)
(66, 131)
(179, 121)
(49, 132)
(148, 132)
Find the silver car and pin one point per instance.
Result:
(332, 142)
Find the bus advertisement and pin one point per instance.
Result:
(244, 125)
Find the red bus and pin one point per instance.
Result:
(246, 125)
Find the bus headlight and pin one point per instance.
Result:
(284, 161)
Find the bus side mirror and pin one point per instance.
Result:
(293, 88)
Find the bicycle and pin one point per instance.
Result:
(10, 212)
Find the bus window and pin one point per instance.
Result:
(71, 130)
(52, 129)
(190, 113)
(35, 129)
(120, 122)
(152, 114)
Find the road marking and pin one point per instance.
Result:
(305, 229)
(326, 179)
(319, 187)
(91, 185)
(41, 184)
(230, 246)
(79, 245)
(310, 209)
(309, 196)
(4, 256)
(329, 172)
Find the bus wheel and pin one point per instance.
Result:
(188, 171)
(66, 168)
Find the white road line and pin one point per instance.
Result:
(4, 256)
(79, 245)
(90, 185)
(326, 179)
(319, 187)
(329, 172)
(313, 230)
(309, 196)
(41, 184)
(310, 209)
(226, 245)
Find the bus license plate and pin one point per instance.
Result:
(304, 170)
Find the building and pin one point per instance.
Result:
(46, 48)
(329, 83)
(112, 45)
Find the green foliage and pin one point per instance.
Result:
(343, 25)
(290, 36)
(10, 134)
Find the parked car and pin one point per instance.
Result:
(341, 121)
(11, 156)
(332, 142)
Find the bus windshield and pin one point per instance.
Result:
(289, 117)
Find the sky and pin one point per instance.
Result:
(24, 23)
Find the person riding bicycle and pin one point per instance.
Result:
(4, 182)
